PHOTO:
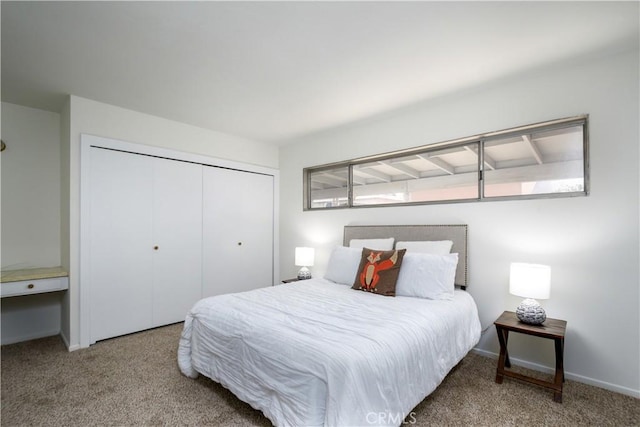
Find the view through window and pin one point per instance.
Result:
(543, 160)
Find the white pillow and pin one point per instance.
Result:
(343, 265)
(438, 247)
(377, 244)
(427, 276)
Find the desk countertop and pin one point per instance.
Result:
(32, 274)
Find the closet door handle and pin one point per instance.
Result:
(239, 243)
(155, 248)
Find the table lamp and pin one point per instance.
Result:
(530, 281)
(304, 259)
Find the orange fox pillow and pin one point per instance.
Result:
(378, 271)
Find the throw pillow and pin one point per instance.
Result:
(378, 271)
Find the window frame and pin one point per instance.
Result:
(480, 140)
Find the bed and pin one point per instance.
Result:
(316, 352)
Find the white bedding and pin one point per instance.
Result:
(318, 353)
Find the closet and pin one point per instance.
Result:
(237, 231)
(164, 233)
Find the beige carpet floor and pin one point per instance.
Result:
(134, 380)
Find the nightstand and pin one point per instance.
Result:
(552, 329)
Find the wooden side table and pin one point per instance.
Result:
(552, 329)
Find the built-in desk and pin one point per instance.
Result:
(32, 303)
(33, 281)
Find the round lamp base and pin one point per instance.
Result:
(304, 274)
(531, 312)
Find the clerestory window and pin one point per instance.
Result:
(541, 160)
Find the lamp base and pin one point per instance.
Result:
(304, 274)
(531, 312)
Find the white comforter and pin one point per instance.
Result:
(318, 353)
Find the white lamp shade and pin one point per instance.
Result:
(304, 257)
(530, 280)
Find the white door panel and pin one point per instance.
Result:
(121, 237)
(237, 231)
(177, 235)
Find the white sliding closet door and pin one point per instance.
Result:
(146, 241)
(121, 238)
(237, 231)
(177, 239)
(161, 229)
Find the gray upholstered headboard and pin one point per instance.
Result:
(456, 233)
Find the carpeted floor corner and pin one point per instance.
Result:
(134, 380)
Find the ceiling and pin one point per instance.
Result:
(276, 71)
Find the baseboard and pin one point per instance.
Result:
(29, 337)
(66, 343)
(570, 376)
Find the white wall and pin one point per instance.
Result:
(30, 188)
(30, 215)
(65, 253)
(96, 118)
(591, 243)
